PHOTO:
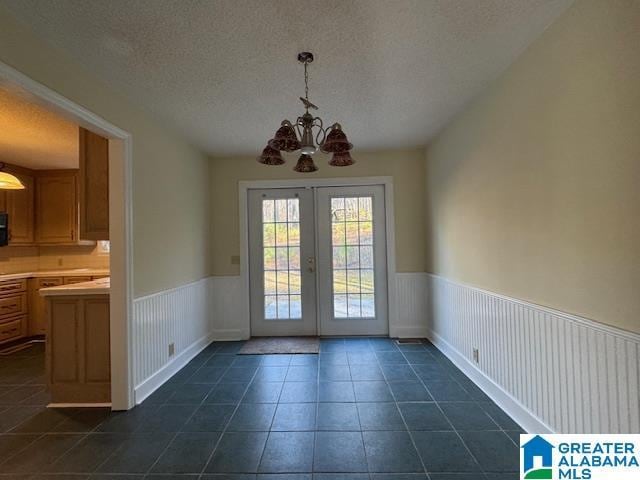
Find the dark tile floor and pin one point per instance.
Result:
(361, 409)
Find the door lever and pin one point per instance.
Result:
(311, 264)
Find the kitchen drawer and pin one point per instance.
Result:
(49, 282)
(13, 286)
(13, 305)
(12, 329)
(77, 279)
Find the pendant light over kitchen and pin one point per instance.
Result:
(8, 181)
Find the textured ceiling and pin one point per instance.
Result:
(225, 73)
(33, 137)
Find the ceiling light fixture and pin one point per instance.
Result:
(8, 181)
(308, 135)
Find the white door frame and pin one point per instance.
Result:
(120, 225)
(243, 190)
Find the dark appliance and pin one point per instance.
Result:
(4, 229)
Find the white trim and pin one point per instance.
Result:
(120, 228)
(228, 334)
(79, 405)
(387, 181)
(155, 381)
(527, 420)
(171, 290)
(410, 332)
(587, 322)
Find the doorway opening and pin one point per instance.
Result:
(118, 144)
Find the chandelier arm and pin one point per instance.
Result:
(320, 131)
(297, 128)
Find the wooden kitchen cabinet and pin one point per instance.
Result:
(78, 349)
(93, 183)
(19, 205)
(38, 305)
(76, 279)
(57, 207)
(13, 310)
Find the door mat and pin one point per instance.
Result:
(266, 345)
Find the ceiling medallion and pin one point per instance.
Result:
(308, 135)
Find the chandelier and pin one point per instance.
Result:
(308, 135)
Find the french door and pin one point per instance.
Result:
(318, 261)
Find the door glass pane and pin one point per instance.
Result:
(352, 257)
(281, 259)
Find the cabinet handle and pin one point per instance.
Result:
(72, 234)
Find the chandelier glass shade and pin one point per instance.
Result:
(308, 135)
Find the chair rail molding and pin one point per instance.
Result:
(551, 371)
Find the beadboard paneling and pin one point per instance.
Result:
(565, 372)
(181, 316)
(412, 303)
(230, 308)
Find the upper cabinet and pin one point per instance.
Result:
(62, 207)
(19, 206)
(93, 183)
(56, 207)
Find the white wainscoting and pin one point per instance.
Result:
(181, 316)
(230, 308)
(231, 313)
(549, 370)
(412, 304)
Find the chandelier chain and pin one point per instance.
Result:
(306, 83)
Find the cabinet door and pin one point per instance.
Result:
(19, 204)
(38, 304)
(56, 208)
(94, 186)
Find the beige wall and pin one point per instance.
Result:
(405, 166)
(534, 190)
(170, 178)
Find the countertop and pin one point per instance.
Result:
(69, 272)
(101, 286)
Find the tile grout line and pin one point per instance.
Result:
(447, 418)
(228, 422)
(413, 442)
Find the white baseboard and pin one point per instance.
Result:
(79, 405)
(518, 412)
(156, 380)
(229, 334)
(408, 332)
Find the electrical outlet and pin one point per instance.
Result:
(476, 355)
(172, 349)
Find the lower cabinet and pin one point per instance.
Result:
(78, 355)
(14, 308)
(38, 317)
(13, 328)
(23, 311)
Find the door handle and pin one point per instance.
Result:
(311, 264)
